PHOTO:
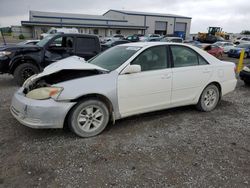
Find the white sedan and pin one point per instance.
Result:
(123, 81)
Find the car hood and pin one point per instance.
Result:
(70, 63)
(20, 47)
(61, 68)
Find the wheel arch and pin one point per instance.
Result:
(217, 84)
(96, 96)
(21, 60)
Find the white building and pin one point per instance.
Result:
(110, 23)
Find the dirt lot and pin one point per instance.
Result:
(179, 147)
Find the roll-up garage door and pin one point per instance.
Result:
(160, 26)
(179, 26)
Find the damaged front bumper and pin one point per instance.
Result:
(39, 113)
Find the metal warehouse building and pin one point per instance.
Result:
(110, 23)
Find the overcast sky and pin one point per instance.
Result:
(232, 16)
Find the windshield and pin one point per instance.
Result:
(114, 57)
(44, 41)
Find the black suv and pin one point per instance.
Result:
(24, 61)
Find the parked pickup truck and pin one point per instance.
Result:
(22, 61)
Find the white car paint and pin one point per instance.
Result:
(147, 91)
(129, 94)
(59, 30)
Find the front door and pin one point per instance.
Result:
(149, 89)
(59, 48)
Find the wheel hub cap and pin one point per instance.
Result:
(210, 98)
(90, 118)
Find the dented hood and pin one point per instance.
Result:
(70, 63)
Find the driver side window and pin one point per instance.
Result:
(66, 42)
(57, 42)
(152, 59)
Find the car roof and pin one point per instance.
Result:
(74, 34)
(149, 44)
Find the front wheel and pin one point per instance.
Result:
(23, 72)
(88, 118)
(209, 98)
(247, 83)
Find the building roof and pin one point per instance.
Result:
(63, 24)
(147, 14)
(39, 14)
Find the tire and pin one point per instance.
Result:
(247, 83)
(88, 118)
(23, 72)
(209, 98)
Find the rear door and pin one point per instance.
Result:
(191, 73)
(86, 47)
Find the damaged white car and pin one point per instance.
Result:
(125, 80)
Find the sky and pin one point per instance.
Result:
(232, 15)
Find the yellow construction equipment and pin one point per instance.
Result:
(213, 35)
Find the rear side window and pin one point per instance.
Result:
(85, 44)
(185, 57)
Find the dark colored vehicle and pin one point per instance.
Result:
(133, 38)
(235, 52)
(23, 61)
(112, 43)
(245, 75)
(28, 42)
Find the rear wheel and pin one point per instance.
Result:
(23, 72)
(88, 118)
(247, 82)
(209, 98)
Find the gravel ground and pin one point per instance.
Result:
(179, 147)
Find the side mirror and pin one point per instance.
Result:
(132, 69)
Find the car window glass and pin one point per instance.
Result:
(85, 44)
(114, 57)
(183, 56)
(202, 61)
(63, 42)
(152, 59)
(57, 42)
(177, 40)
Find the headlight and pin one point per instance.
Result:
(44, 93)
(245, 68)
(4, 53)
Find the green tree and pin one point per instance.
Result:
(245, 32)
